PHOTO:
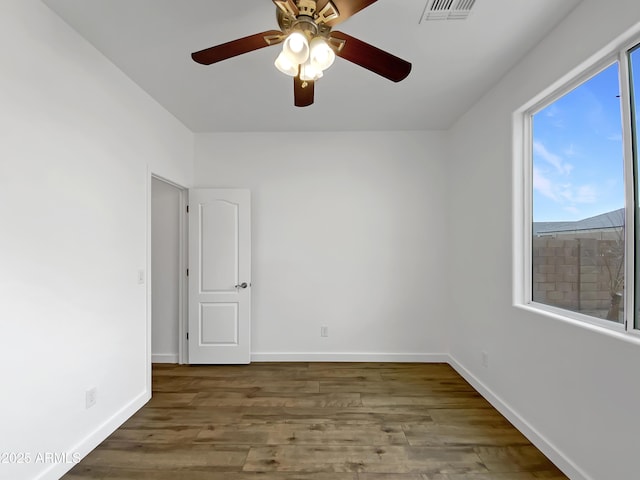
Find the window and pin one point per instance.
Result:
(634, 68)
(577, 248)
(582, 174)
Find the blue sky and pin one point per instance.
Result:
(578, 152)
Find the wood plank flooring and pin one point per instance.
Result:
(315, 421)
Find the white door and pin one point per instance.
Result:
(219, 276)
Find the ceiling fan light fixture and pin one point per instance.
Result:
(296, 47)
(321, 54)
(310, 45)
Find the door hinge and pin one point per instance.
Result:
(187, 335)
(187, 208)
(187, 272)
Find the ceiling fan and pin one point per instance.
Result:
(310, 45)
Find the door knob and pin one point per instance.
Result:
(242, 285)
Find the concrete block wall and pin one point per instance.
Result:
(578, 273)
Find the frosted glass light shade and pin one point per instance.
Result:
(285, 66)
(309, 72)
(296, 48)
(321, 54)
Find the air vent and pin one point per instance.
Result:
(447, 10)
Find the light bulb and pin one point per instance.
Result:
(296, 44)
(283, 64)
(296, 47)
(322, 55)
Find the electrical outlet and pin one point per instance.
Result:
(91, 397)
(485, 359)
(324, 331)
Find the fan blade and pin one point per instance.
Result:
(370, 57)
(238, 47)
(346, 8)
(303, 92)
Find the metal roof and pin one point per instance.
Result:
(613, 219)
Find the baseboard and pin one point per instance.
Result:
(569, 468)
(164, 358)
(85, 446)
(350, 357)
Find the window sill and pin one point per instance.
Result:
(615, 330)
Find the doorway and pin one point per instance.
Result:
(168, 271)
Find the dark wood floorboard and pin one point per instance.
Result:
(315, 421)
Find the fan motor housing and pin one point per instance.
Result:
(307, 7)
(304, 22)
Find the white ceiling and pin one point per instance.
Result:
(454, 62)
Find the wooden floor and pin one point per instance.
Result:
(315, 421)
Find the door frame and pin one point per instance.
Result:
(183, 287)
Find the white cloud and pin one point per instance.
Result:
(552, 159)
(552, 179)
(586, 194)
(543, 185)
(581, 194)
(563, 193)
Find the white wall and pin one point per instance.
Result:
(166, 205)
(348, 232)
(76, 141)
(373, 234)
(575, 389)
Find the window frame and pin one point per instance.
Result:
(523, 189)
